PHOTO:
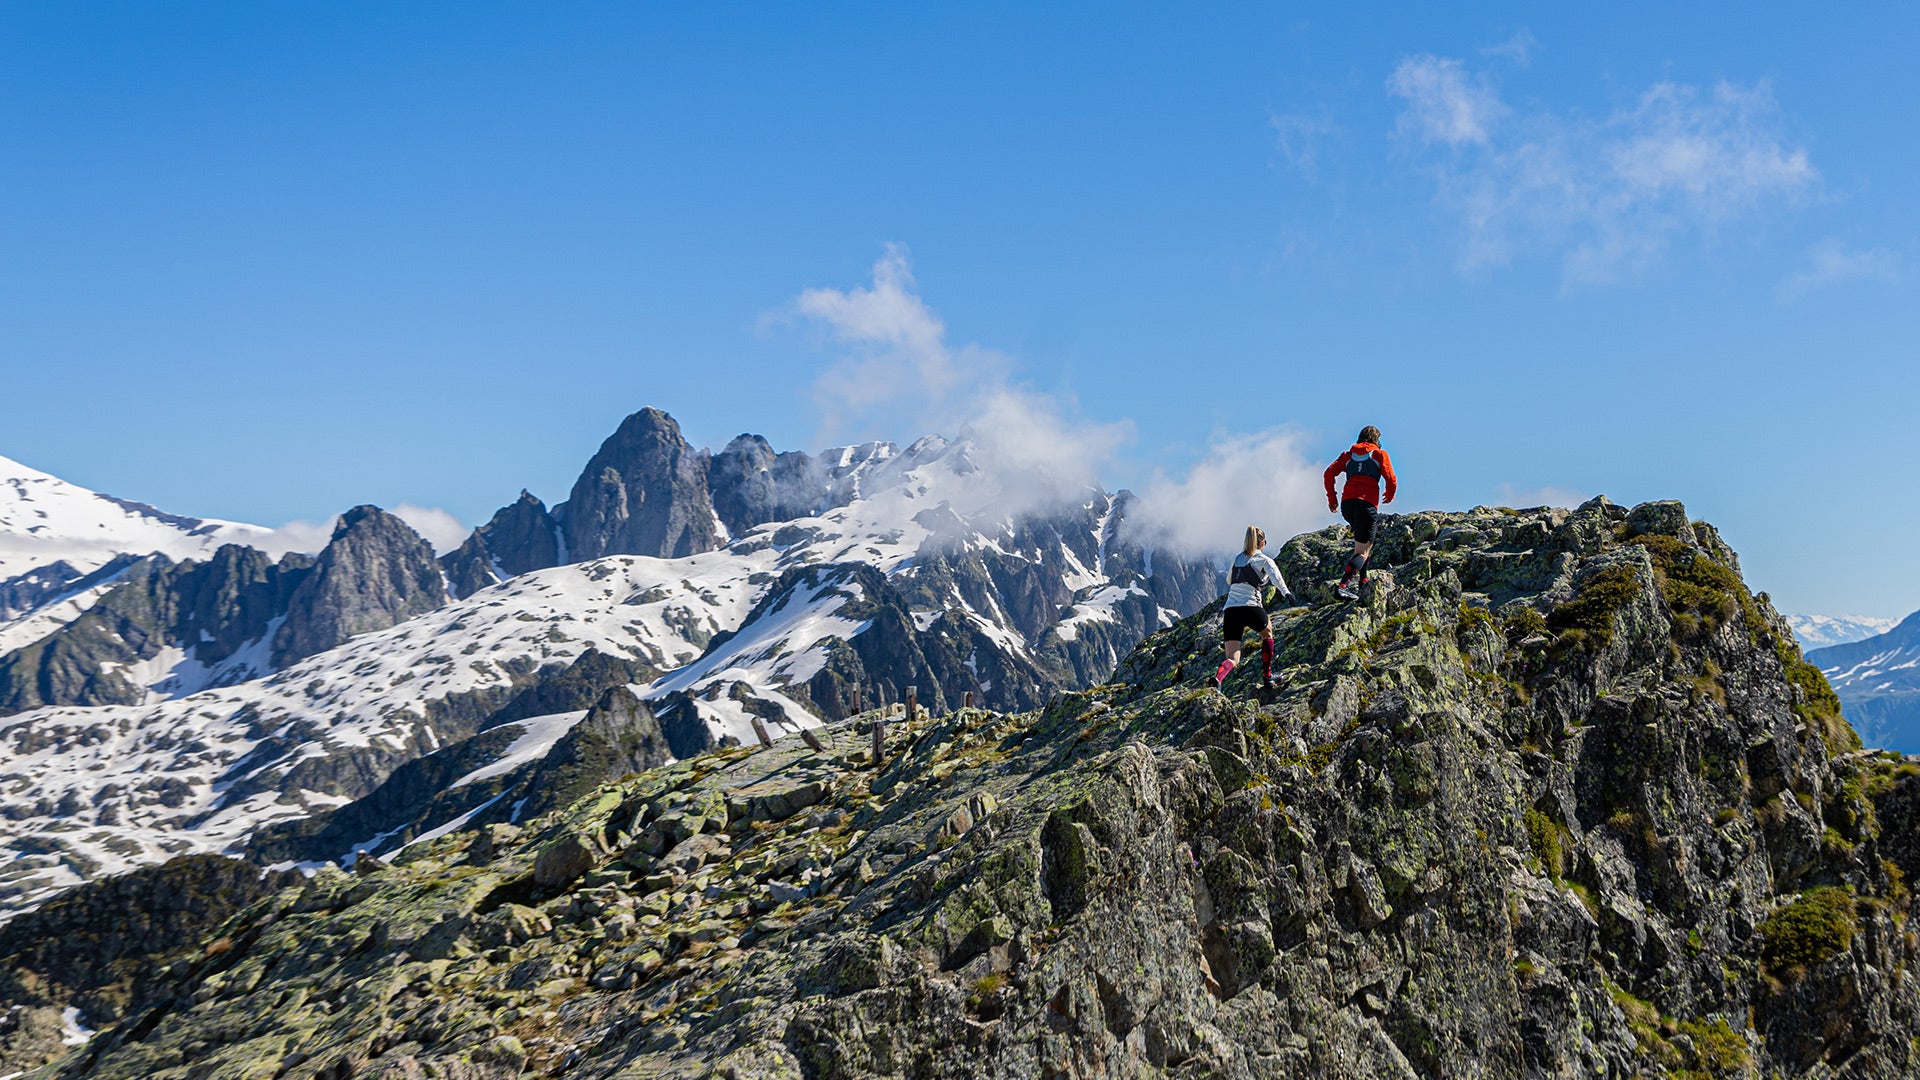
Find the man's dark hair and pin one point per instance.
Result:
(1369, 434)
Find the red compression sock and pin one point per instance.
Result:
(1220, 676)
(1266, 659)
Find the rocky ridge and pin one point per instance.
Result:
(1558, 797)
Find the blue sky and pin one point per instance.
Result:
(265, 262)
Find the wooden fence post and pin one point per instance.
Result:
(812, 740)
(760, 731)
(913, 704)
(969, 700)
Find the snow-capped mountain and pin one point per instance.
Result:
(1878, 681)
(63, 532)
(1821, 631)
(311, 707)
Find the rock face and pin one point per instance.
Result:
(643, 493)
(520, 538)
(376, 572)
(752, 485)
(1558, 797)
(618, 737)
(208, 610)
(28, 590)
(1878, 681)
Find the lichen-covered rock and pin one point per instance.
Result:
(1555, 798)
(564, 860)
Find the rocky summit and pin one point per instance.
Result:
(1558, 797)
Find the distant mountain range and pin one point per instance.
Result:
(167, 688)
(1820, 631)
(1878, 680)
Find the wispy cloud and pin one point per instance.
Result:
(436, 526)
(1519, 48)
(1445, 104)
(1297, 135)
(303, 536)
(1607, 196)
(1831, 263)
(1263, 479)
(899, 370)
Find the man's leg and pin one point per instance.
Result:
(1357, 564)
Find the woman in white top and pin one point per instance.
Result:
(1248, 579)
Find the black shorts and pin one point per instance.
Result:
(1360, 514)
(1236, 621)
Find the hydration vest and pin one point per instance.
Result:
(1363, 465)
(1246, 574)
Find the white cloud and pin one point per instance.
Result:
(1263, 479)
(436, 526)
(1519, 47)
(900, 374)
(307, 537)
(1830, 263)
(1444, 105)
(1550, 495)
(1606, 196)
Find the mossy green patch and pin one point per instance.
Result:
(1588, 617)
(1818, 924)
(1546, 836)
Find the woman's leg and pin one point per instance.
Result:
(1227, 665)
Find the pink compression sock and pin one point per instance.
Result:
(1220, 676)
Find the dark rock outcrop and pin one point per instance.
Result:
(375, 572)
(24, 592)
(102, 947)
(752, 485)
(520, 537)
(617, 738)
(207, 609)
(643, 493)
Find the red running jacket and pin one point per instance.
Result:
(1365, 466)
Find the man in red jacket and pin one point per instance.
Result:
(1366, 465)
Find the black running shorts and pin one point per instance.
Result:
(1236, 621)
(1360, 514)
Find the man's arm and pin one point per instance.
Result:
(1333, 470)
(1386, 470)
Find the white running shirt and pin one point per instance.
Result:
(1242, 594)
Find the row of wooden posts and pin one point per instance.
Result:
(879, 725)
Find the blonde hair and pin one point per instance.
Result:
(1255, 540)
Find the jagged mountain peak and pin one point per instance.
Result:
(644, 492)
(375, 572)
